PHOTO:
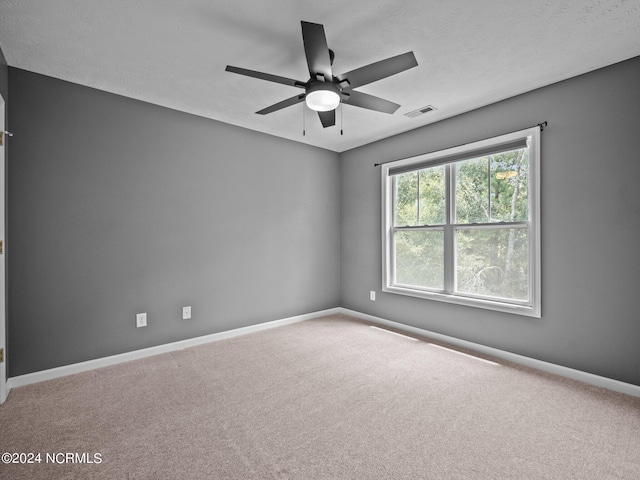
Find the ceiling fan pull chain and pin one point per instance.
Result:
(341, 107)
(304, 131)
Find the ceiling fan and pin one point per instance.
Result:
(324, 91)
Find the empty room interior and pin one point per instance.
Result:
(320, 240)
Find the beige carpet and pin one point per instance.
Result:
(331, 398)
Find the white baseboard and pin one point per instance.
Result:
(63, 371)
(579, 375)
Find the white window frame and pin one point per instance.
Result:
(530, 308)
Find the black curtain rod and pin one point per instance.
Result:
(541, 125)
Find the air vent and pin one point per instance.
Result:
(421, 111)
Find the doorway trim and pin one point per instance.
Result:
(4, 388)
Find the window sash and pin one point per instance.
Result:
(450, 252)
(523, 226)
(464, 225)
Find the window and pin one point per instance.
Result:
(462, 225)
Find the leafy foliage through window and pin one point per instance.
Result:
(465, 230)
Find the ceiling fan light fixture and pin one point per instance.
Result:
(322, 97)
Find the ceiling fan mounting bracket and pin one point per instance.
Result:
(320, 85)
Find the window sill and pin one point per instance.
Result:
(526, 310)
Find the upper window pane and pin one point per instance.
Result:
(432, 196)
(493, 188)
(420, 198)
(406, 199)
(472, 191)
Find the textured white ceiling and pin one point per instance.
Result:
(173, 53)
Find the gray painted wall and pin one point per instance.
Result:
(590, 225)
(118, 207)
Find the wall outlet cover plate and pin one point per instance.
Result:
(141, 320)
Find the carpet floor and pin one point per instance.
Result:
(329, 398)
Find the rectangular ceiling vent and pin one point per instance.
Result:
(421, 111)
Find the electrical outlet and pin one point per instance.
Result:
(372, 295)
(141, 320)
(186, 313)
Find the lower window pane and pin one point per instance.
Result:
(493, 262)
(420, 258)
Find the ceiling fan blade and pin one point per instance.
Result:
(283, 104)
(364, 100)
(379, 70)
(316, 50)
(265, 76)
(328, 119)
